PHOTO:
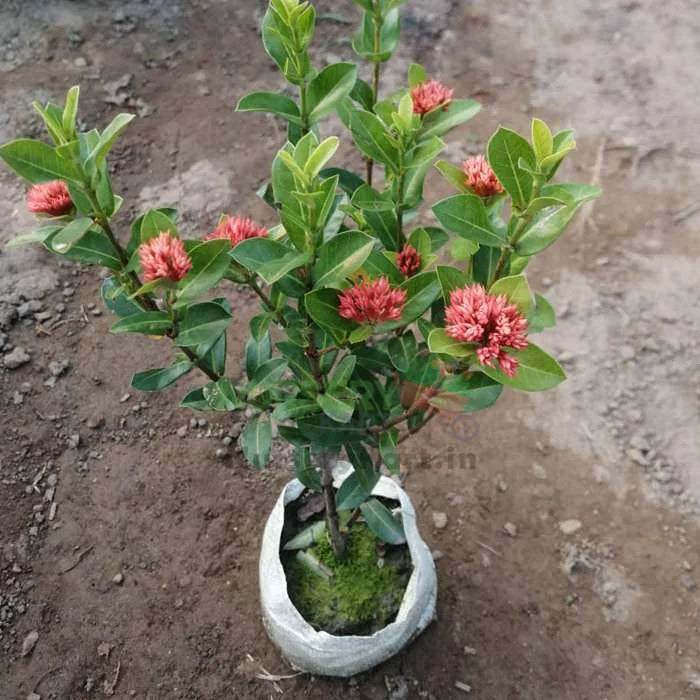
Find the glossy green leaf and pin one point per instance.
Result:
(389, 451)
(517, 289)
(402, 351)
(362, 466)
(340, 257)
(267, 376)
(292, 409)
(116, 300)
(70, 234)
(465, 393)
(328, 88)
(421, 291)
(542, 316)
(545, 228)
(156, 379)
(416, 75)
(336, 406)
(322, 305)
(195, 400)
(440, 342)
(371, 137)
(256, 353)
(542, 140)
(154, 222)
(106, 141)
(504, 150)
(221, 395)
(379, 265)
(352, 493)
(450, 278)
(272, 102)
(147, 322)
(537, 370)
(453, 175)
(440, 121)
(203, 323)
(305, 471)
(256, 440)
(342, 373)
(466, 215)
(382, 523)
(70, 111)
(210, 261)
(38, 162)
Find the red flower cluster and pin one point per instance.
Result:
(474, 316)
(429, 96)
(408, 260)
(480, 177)
(236, 229)
(164, 257)
(51, 198)
(372, 302)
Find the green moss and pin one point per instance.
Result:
(359, 597)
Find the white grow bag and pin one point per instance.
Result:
(325, 654)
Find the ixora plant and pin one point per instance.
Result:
(372, 322)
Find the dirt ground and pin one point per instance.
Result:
(603, 608)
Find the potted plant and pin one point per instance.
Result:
(372, 322)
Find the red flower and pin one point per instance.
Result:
(474, 316)
(480, 177)
(408, 260)
(236, 229)
(50, 198)
(429, 96)
(372, 302)
(164, 257)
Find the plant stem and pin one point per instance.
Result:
(267, 303)
(428, 416)
(303, 108)
(419, 405)
(375, 74)
(337, 540)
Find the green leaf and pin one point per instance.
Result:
(116, 300)
(267, 376)
(340, 257)
(571, 193)
(203, 324)
(221, 396)
(328, 88)
(516, 289)
(153, 223)
(254, 253)
(260, 324)
(402, 351)
(443, 344)
(38, 162)
(363, 466)
(440, 121)
(310, 534)
(418, 160)
(504, 150)
(343, 373)
(70, 111)
(210, 261)
(421, 291)
(53, 120)
(545, 228)
(322, 430)
(273, 102)
(38, 235)
(275, 270)
(213, 355)
(322, 305)
(195, 400)
(256, 440)
(347, 180)
(295, 408)
(424, 370)
(537, 370)
(466, 215)
(68, 236)
(542, 140)
(321, 155)
(465, 393)
(453, 175)
(147, 322)
(450, 278)
(106, 141)
(336, 407)
(542, 316)
(382, 523)
(256, 353)
(305, 471)
(379, 265)
(371, 137)
(352, 493)
(156, 379)
(388, 451)
(416, 75)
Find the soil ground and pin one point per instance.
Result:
(607, 611)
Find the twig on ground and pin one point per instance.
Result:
(463, 686)
(595, 180)
(489, 549)
(686, 212)
(81, 556)
(109, 686)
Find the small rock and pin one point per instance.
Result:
(439, 520)
(687, 565)
(58, 368)
(80, 62)
(17, 398)
(609, 593)
(18, 357)
(470, 651)
(68, 292)
(52, 479)
(221, 453)
(638, 457)
(118, 579)
(33, 696)
(688, 582)
(182, 431)
(436, 554)
(124, 398)
(29, 307)
(30, 642)
(74, 440)
(95, 422)
(539, 471)
(104, 649)
(501, 485)
(510, 529)
(569, 527)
